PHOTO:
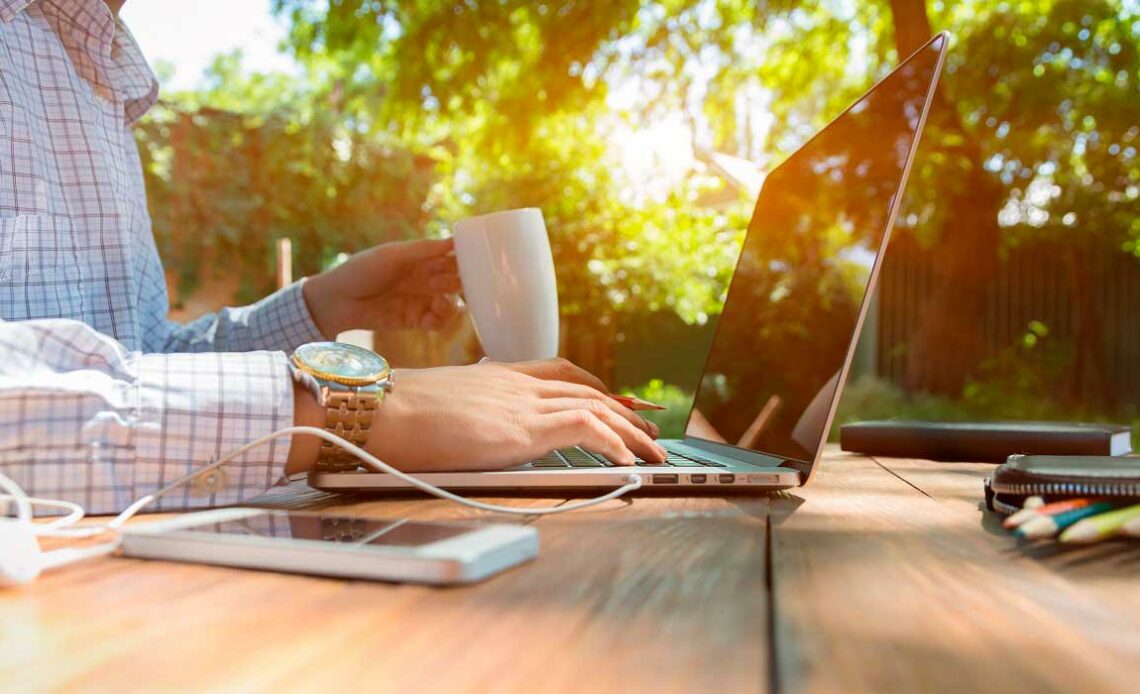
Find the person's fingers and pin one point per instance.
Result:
(562, 389)
(438, 312)
(414, 309)
(422, 249)
(394, 256)
(579, 428)
(441, 265)
(444, 265)
(635, 438)
(391, 266)
(444, 284)
(559, 370)
(434, 276)
(444, 306)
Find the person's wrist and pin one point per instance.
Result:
(322, 301)
(384, 434)
(307, 411)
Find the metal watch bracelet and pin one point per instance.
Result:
(348, 414)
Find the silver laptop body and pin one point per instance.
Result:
(786, 336)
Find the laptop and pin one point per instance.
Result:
(786, 336)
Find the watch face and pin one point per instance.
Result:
(340, 362)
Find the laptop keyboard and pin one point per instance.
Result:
(573, 458)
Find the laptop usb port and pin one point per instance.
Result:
(726, 479)
(698, 479)
(666, 479)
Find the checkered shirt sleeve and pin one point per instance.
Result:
(84, 419)
(102, 398)
(280, 321)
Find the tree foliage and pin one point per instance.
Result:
(508, 99)
(412, 114)
(251, 159)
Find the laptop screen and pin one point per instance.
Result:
(790, 317)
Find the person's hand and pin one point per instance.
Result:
(407, 284)
(489, 416)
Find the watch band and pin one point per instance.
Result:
(348, 414)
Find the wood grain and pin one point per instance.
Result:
(887, 576)
(881, 586)
(634, 596)
(1107, 570)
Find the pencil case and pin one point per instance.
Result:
(1058, 477)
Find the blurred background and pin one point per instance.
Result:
(1011, 287)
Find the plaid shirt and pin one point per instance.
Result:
(102, 399)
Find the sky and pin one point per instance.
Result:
(189, 34)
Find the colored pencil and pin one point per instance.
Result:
(1101, 526)
(1048, 526)
(634, 403)
(1131, 528)
(1052, 509)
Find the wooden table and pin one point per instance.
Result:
(883, 575)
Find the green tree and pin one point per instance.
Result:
(503, 104)
(1034, 136)
(1038, 111)
(252, 158)
(508, 98)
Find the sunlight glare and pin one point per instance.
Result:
(655, 159)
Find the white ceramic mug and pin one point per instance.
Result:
(508, 281)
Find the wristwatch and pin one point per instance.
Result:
(351, 382)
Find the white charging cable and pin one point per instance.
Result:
(632, 482)
(59, 527)
(22, 560)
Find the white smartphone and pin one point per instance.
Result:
(335, 545)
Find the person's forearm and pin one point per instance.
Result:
(84, 419)
(306, 412)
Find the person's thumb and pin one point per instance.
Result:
(423, 249)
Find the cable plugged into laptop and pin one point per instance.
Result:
(22, 560)
(370, 461)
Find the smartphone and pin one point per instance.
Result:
(334, 545)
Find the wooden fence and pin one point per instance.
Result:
(1032, 285)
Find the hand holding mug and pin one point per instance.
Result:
(399, 285)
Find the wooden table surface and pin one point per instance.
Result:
(882, 575)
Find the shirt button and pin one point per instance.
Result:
(208, 482)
